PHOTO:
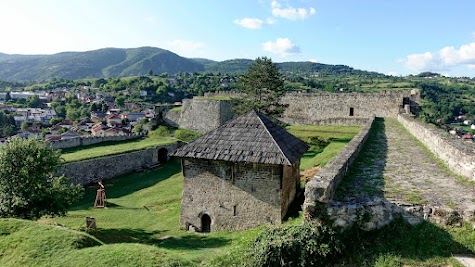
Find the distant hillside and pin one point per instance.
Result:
(107, 62)
(203, 61)
(118, 62)
(238, 66)
(234, 66)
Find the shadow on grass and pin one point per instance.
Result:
(193, 242)
(113, 236)
(312, 152)
(399, 241)
(130, 183)
(340, 140)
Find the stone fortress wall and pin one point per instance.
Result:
(339, 109)
(203, 115)
(346, 108)
(373, 213)
(200, 115)
(89, 171)
(458, 155)
(90, 140)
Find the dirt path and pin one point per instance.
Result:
(394, 165)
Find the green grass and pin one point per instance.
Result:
(177, 109)
(140, 228)
(144, 208)
(337, 136)
(113, 148)
(400, 244)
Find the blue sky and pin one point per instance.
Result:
(397, 37)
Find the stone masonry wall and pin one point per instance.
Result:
(88, 171)
(235, 196)
(458, 155)
(90, 140)
(345, 108)
(290, 182)
(201, 115)
(321, 188)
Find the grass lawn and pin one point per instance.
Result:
(337, 136)
(113, 148)
(144, 208)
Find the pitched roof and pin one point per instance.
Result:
(251, 138)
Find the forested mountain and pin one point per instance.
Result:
(107, 62)
(239, 66)
(118, 62)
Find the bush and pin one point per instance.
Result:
(161, 131)
(186, 135)
(303, 245)
(28, 188)
(317, 141)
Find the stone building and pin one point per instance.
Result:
(243, 174)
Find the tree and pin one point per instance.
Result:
(120, 100)
(150, 72)
(8, 130)
(33, 101)
(28, 188)
(263, 86)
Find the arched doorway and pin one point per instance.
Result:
(205, 223)
(162, 155)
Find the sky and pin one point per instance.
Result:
(395, 37)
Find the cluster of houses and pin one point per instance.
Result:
(460, 126)
(114, 121)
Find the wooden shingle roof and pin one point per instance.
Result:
(251, 138)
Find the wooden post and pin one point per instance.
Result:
(100, 196)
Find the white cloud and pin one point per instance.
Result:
(186, 48)
(271, 21)
(291, 13)
(471, 66)
(393, 73)
(445, 58)
(282, 47)
(250, 23)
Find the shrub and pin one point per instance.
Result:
(161, 131)
(303, 245)
(317, 141)
(28, 188)
(186, 135)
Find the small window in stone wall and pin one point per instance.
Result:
(235, 210)
(352, 112)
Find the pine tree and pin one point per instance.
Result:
(263, 87)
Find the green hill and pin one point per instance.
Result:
(122, 62)
(239, 66)
(106, 62)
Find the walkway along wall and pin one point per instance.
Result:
(457, 154)
(320, 189)
(89, 171)
(368, 213)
